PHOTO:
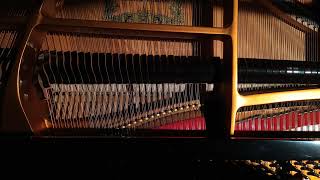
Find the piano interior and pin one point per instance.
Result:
(199, 69)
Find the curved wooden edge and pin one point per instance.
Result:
(12, 114)
(35, 109)
(22, 109)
